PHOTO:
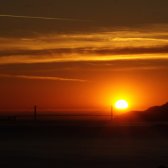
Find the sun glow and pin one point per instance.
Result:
(121, 105)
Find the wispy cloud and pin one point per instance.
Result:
(99, 46)
(41, 78)
(87, 50)
(43, 18)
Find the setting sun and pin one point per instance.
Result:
(121, 104)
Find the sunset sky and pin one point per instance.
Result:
(83, 54)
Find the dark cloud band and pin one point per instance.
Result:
(88, 50)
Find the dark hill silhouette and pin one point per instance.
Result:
(155, 113)
(162, 108)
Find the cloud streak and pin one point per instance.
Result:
(82, 54)
(98, 46)
(43, 18)
(48, 78)
(89, 50)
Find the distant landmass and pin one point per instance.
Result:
(162, 109)
(154, 113)
(159, 113)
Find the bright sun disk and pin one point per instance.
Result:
(121, 104)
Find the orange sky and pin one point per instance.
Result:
(60, 61)
(84, 74)
(84, 84)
